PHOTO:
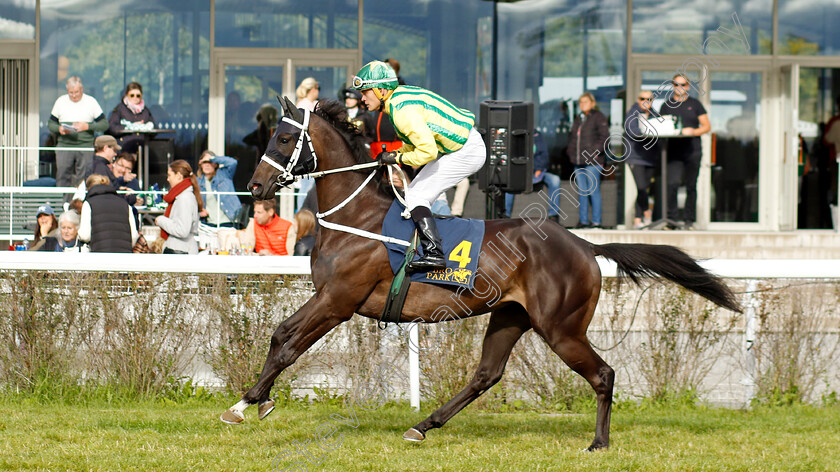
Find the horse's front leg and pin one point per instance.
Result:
(291, 339)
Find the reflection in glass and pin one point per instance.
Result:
(323, 24)
(436, 43)
(735, 113)
(551, 53)
(809, 28)
(818, 89)
(167, 51)
(247, 90)
(17, 19)
(331, 80)
(680, 27)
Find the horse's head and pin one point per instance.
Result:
(289, 153)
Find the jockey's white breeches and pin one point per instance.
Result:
(445, 172)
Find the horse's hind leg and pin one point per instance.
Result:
(578, 354)
(291, 339)
(505, 328)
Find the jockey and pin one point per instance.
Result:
(436, 135)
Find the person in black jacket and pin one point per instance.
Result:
(643, 155)
(107, 220)
(589, 134)
(129, 113)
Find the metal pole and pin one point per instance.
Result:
(414, 366)
(749, 341)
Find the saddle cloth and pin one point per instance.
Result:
(461, 238)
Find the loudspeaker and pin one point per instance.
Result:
(508, 131)
(161, 154)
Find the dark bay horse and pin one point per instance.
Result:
(539, 277)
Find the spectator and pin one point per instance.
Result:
(75, 117)
(307, 233)
(266, 124)
(107, 221)
(541, 175)
(395, 64)
(179, 223)
(432, 127)
(684, 154)
(47, 227)
(215, 174)
(272, 235)
(586, 151)
(129, 115)
(105, 149)
(643, 156)
(356, 114)
(68, 237)
(307, 93)
(123, 168)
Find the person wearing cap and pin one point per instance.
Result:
(105, 149)
(47, 227)
(435, 134)
(355, 113)
(215, 174)
(74, 118)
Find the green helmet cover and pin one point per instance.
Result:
(375, 74)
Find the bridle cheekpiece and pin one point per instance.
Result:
(286, 175)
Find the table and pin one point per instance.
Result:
(664, 221)
(143, 156)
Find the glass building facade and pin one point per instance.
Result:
(207, 66)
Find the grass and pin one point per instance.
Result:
(164, 436)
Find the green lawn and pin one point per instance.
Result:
(162, 436)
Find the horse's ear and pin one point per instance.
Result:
(284, 105)
(294, 112)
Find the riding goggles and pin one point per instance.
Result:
(361, 84)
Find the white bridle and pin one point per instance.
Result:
(285, 176)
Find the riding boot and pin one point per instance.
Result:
(430, 240)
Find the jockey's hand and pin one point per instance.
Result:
(386, 157)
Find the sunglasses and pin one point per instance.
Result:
(645, 98)
(680, 84)
(135, 95)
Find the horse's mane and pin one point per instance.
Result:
(334, 113)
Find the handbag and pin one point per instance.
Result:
(141, 246)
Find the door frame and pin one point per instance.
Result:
(289, 59)
(770, 155)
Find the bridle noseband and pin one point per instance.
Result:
(286, 175)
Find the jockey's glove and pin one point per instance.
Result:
(386, 157)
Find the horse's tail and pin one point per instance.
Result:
(651, 260)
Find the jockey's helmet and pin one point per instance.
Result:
(375, 74)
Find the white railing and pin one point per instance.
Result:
(745, 269)
(36, 196)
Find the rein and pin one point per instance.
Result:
(286, 176)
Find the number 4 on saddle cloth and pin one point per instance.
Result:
(461, 245)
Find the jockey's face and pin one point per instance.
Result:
(371, 102)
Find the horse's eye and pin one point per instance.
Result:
(284, 140)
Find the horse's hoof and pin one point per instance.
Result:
(413, 435)
(232, 417)
(596, 447)
(266, 408)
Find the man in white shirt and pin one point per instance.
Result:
(75, 117)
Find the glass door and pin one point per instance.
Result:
(251, 112)
(814, 92)
(730, 194)
(244, 85)
(735, 115)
